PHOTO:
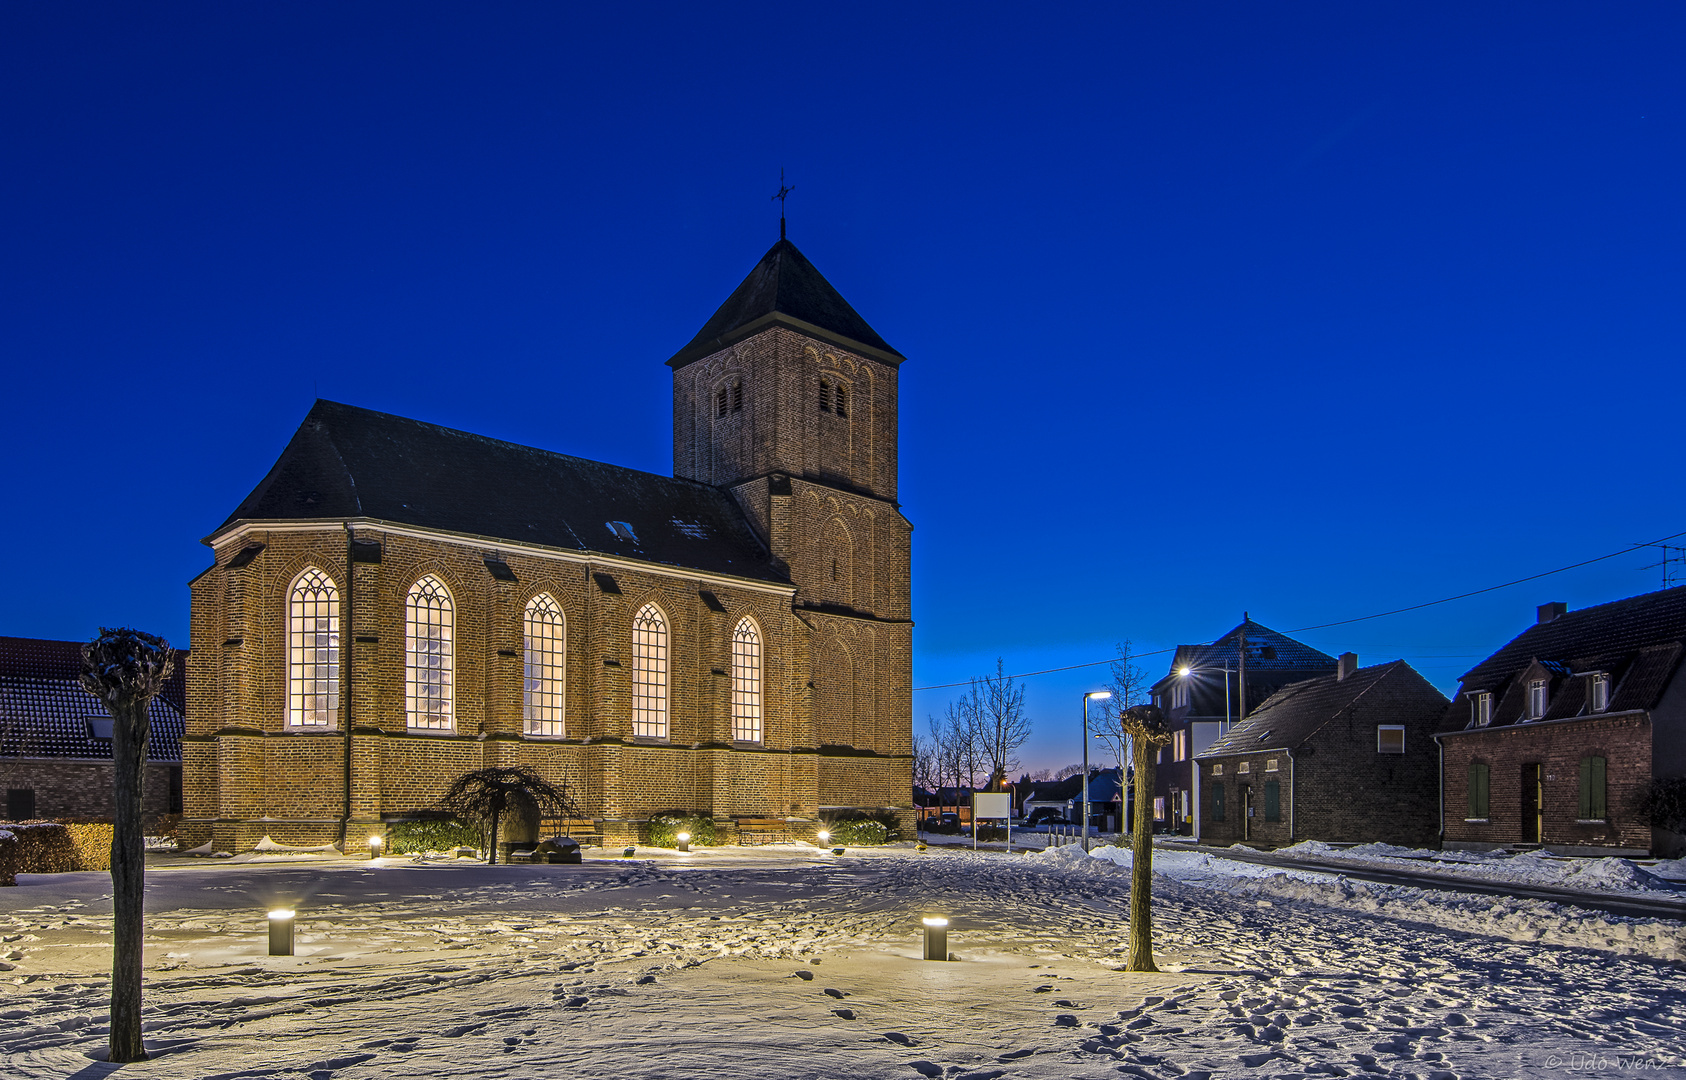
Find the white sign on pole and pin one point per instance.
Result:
(992, 805)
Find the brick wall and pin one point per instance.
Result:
(1557, 748)
(83, 789)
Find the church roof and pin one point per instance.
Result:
(785, 289)
(347, 462)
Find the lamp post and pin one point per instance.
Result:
(936, 937)
(1098, 695)
(281, 932)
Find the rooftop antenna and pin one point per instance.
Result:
(784, 191)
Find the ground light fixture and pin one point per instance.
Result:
(936, 937)
(823, 837)
(376, 844)
(281, 932)
(683, 840)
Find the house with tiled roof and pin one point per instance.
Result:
(1346, 757)
(55, 737)
(1209, 688)
(1555, 740)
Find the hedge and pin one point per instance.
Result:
(46, 847)
(414, 837)
(662, 829)
(860, 833)
(8, 858)
(92, 841)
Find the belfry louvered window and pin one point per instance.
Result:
(313, 651)
(429, 641)
(544, 654)
(737, 395)
(840, 400)
(649, 673)
(746, 682)
(720, 402)
(825, 396)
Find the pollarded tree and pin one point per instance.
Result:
(1147, 729)
(485, 795)
(125, 669)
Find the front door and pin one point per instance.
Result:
(1533, 805)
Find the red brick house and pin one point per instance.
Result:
(1554, 740)
(1208, 689)
(1348, 757)
(55, 737)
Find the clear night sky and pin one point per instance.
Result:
(1312, 310)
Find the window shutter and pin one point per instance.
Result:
(1478, 776)
(1218, 802)
(1584, 810)
(1596, 799)
(1273, 801)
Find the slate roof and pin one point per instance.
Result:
(1274, 660)
(1638, 641)
(347, 462)
(1392, 693)
(786, 289)
(44, 711)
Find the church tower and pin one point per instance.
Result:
(788, 399)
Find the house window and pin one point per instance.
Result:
(1478, 801)
(1179, 695)
(1273, 800)
(313, 651)
(1270, 765)
(20, 804)
(1480, 709)
(1598, 691)
(746, 682)
(1159, 808)
(1218, 769)
(428, 641)
(1536, 699)
(1592, 806)
(1179, 745)
(1244, 767)
(544, 654)
(1390, 738)
(1217, 802)
(649, 673)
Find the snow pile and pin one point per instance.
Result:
(1527, 868)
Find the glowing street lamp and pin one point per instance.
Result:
(281, 932)
(936, 937)
(1098, 695)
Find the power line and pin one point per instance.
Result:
(1345, 622)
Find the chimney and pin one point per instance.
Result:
(1551, 611)
(1347, 664)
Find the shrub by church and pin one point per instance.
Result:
(398, 603)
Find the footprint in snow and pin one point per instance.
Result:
(805, 976)
(1065, 1020)
(838, 994)
(1067, 1003)
(925, 1068)
(898, 1037)
(459, 1032)
(644, 980)
(578, 1001)
(846, 1014)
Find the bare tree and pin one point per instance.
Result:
(961, 734)
(1147, 730)
(126, 669)
(999, 723)
(1075, 769)
(484, 795)
(1130, 686)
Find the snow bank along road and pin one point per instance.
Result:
(781, 964)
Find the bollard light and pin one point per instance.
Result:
(823, 837)
(684, 841)
(936, 937)
(629, 852)
(376, 843)
(281, 933)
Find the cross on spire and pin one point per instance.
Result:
(784, 191)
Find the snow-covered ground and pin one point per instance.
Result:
(1522, 868)
(780, 962)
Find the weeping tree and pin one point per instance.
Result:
(486, 795)
(125, 669)
(1147, 730)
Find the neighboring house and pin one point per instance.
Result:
(1206, 691)
(1348, 757)
(55, 737)
(1066, 796)
(1554, 740)
(398, 603)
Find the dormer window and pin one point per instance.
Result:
(1598, 691)
(1480, 709)
(1537, 698)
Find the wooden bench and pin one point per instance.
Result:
(584, 830)
(763, 831)
(554, 850)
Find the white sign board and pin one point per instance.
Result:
(992, 805)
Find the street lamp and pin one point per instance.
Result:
(1185, 671)
(1098, 695)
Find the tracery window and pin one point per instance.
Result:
(649, 673)
(313, 651)
(746, 682)
(428, 655)
(545, 645)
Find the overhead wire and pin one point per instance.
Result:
(1345, 622)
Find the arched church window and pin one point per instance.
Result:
(544, 653)
(649, 673)
(428, 655)
(746, 682)
(313, 651)
(728, 398)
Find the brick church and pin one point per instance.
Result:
(398, 603)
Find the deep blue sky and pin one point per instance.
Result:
(1312, 310)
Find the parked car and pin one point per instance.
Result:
(944, 823)
(1046, 815)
